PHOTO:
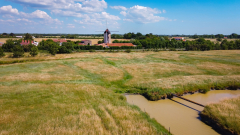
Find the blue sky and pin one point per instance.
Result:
(151, 16)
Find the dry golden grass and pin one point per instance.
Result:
(225, 113)
(32, 103)
(154, 71)
(218, 67)
(59, 72)
(171, 82)
(108, 72)
(172, 55)
(68, 109)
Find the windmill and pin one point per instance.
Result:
(107, 34)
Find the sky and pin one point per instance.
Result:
(162, 17)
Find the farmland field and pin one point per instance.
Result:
(82, 92)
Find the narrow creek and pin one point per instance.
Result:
(180, 115)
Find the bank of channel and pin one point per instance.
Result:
(182, 117)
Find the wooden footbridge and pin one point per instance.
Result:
(188, 100)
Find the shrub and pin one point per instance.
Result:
(91, 50)
(172, 49)
(53, 48)
(128, 50)
(18, 51)
(219, 39)
(34, 51)
(63, 49)
(1, 52)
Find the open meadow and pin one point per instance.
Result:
(82, 92)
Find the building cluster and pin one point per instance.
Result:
(179, 38)
(27, 42)
(108, 43)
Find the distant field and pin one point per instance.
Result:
(77, 93)
(94, 41)
(213, 40)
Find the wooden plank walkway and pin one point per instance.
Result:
(188, 100)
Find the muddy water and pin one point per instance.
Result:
(182, 116)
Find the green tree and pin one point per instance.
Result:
(1, 52)
(8, 46)
(28, 37)
(12, 34)
(34, 51)
(195, 36)
(18, 51)
(219, 39)
(53, 48)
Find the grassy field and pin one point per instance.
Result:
(94, 41)
(81, 92)
(225, 114)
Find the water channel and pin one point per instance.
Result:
(180, 115)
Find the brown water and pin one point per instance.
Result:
(180, 115)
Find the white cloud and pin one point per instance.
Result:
(8, 16)
(83, 27)
(24, 20)
(97, 18)
(7, 21)
(118, 7)
(105, 15)
(124, 13)
(71, 26)
(40, 14)
(142, 14)
(8, 10)
(164, 11)
(86, 6)
(54, 27)
(67, 13)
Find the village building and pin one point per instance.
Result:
(108, 43)
(1, 43)
(178, 38)
(85, 42)
(26, 42)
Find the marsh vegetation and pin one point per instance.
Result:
(225, 115)
(82, 92)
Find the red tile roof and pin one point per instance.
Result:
(26, 42)
(59, 40)
(178, 37)
(115, 44)
(119, 44)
